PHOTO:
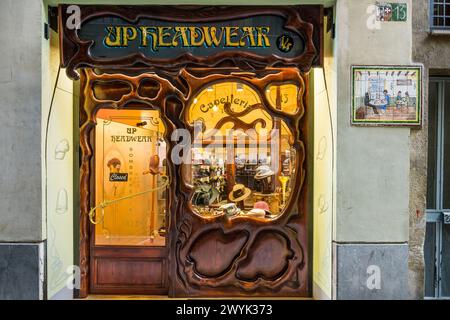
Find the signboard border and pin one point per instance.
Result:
(307, 21)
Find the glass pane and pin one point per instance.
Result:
(243, 161)
(284, 97)
(430, 259)
(445, 273)
(446, 137)
(130, 160)
(432, 145)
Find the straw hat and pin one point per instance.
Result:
(239, 193)
(263, 172)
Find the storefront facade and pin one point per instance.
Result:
(231, 218)
(323, 207)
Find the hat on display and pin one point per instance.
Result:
(239, 193)
(258, 213)
(263, 172)
(230, 209)
(261, 205)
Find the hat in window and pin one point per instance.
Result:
(257, 213)
(239, 193)
(263, 172)
(230, 209)
(261, 205)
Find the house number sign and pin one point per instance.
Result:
(392, 12)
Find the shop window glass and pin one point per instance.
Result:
(130, 164)
(243, 162)
(284, 97)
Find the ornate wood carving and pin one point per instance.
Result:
(207, 256)
(306, 21)
(249, 255)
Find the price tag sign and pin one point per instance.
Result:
(394, 12)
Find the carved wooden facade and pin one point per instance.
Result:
(252, 256)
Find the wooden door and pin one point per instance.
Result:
(128, 252)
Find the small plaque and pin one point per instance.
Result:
(392, 12)
(118, 177)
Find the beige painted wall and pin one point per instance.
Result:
(373, 164)
(324, 205)
(58, 174)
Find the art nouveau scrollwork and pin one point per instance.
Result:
(238, 246)
(207, 254)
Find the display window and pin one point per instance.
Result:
(130, 165)
(243, 160)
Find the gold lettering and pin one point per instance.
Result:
(180, 33)
(164, 33)
(196, 32)
(262, 36)
(127, 36)
(285, 45)
(114, 36)
(249, 34)
(231, 32)
(211, 37)
(146, 32)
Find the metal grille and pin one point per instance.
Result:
(440, 14)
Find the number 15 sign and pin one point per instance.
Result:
(392, 12)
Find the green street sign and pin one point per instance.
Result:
(392, 12)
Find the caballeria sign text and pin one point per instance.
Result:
(188, 36)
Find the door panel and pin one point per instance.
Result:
(437, 242)
(129, 271)
(128, 253)
(445, 262)
(445, 100)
